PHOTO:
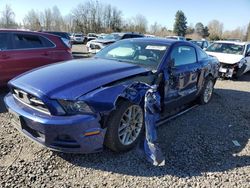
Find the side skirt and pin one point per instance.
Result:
(175, 113)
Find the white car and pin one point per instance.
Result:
(234, 57)
(176, 37)
(91, 36)
(78, 38)
(94, 46)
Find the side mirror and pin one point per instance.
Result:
(248, 54)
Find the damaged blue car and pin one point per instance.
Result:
(81, 105)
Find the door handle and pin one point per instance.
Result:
(46, 54)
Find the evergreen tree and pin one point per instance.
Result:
(180, 25)
(205, 32)
(199, 29)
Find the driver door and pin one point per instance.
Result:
(183, 77)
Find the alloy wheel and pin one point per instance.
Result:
(130, 125)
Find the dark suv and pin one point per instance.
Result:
(95, 46)
(21, 51)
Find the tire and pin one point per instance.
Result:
(121, 137)
(207, 91)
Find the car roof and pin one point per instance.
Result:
(124, 33)
(55, 32)
(27, 32)
(231, 42)
(162, 41)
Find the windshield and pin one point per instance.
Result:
(147, 54)
(112, 37)
(227, 48)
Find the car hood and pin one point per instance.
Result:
(72, 79)
(226, 58)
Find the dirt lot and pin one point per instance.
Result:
(198, 146)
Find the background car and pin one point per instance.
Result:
(101, 36)
(234, 57)
(91, 36)
(176, 37)
(95, 46)
(86, 103)
(21, 51)
(64, 35)
(201, 43)
(79, 38)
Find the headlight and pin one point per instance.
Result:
(75, 107)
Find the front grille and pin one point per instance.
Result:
(225, 65)
(30, 100)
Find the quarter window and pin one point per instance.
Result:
(201, 54)
(183, 55)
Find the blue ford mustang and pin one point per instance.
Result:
(80, 105)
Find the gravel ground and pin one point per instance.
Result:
(198, 146)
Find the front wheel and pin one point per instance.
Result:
(207, 91)
(125, 126)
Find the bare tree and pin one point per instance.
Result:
(93, 16)
(57, 20)
(47, 19)
(155, 28)
(238, 33)
(141, 23)
(247, 37)
(32, 21)
(215, 29)
(7, 19)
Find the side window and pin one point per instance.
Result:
(47, 43)
(25, 41)
(4, 41)
(201, 54)
(183, 55)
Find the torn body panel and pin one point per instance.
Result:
(104, 99)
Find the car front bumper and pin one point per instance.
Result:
(228, 70)
(71, 134)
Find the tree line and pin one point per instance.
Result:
(97, 17)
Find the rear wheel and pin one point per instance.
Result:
(125, 126)
(207, 91)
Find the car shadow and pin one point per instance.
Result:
(3, 92)
(245, 77)
(200, 141)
